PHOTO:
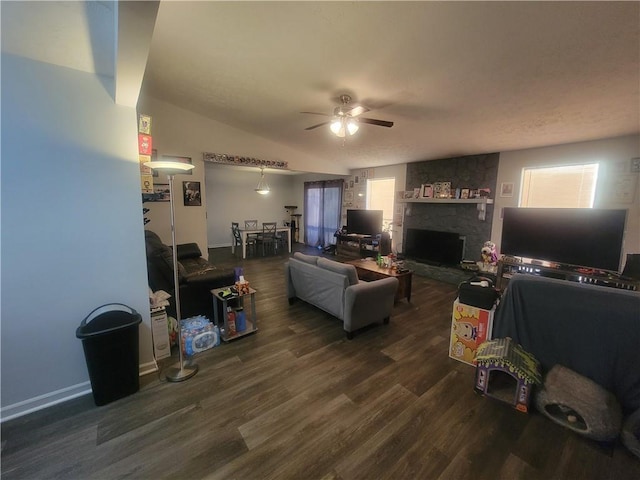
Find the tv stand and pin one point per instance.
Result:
(356, 246)
(509, 266)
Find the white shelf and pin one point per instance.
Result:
(485, 201)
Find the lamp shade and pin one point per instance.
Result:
(171, 167)
(263, 187)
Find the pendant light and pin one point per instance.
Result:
(263, 187)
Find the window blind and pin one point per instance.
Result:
(569, 186)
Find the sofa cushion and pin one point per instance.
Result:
(188, 250)
(342, 268)
(153, 243)
(311, 259)
(166, 260)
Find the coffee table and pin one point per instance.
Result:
(369, 270)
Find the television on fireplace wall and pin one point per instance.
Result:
(364, 222)
(585, 237)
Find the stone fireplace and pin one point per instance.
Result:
(473, 172)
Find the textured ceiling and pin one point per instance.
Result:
(456, 78)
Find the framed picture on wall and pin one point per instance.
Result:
(506, 189)
(162, 192)
(191, 194)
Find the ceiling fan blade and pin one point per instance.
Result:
(357, 110)
(316, 126)
(316, 113)
(373, 121)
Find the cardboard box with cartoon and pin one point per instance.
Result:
(470, 326)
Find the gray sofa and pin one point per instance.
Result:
(335, 288)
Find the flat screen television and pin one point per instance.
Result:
(586, 237)
(364, 222)
(434, 247)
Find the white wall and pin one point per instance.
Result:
(180, 132)
(613, 155)
(72, 233)
(231, 197)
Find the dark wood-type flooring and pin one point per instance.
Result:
(297, 400)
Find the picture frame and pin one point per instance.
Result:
(427, 190)
(145, 144)
(484, 192)
(191, 194)
(473, 193)
(506, 189)
(350, 183)
(409, 194)
(162, 192)
(348, 196)
(416, 192)
(446, 190)
(442, 189)
(144, 124)
(356, 180)
(464, 193)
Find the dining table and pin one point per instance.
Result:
(244, 233)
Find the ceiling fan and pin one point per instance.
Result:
(346, 118)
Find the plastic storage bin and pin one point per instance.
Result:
(110, 343)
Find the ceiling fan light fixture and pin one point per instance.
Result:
(263, 187)
(341, 125)
(352, 126)
(336, 127)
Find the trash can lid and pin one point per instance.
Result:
(108, 322)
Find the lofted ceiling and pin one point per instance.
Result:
(456, 78)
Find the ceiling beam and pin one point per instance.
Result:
(136, 21)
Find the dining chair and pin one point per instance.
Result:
(235, 229)
(237, 238)
(251, 225)
(268, 237)
(283, 237)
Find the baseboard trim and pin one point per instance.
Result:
(220, 246)
(59, 396)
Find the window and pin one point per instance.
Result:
(322, 202)
(569, 186)
(380, 195)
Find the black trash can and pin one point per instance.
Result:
(110, 342)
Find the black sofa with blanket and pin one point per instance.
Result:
(196, 276)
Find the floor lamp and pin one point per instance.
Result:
(180, 372)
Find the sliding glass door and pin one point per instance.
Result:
(322, 201)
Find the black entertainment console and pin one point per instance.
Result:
(356, 246)
(508, 266)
